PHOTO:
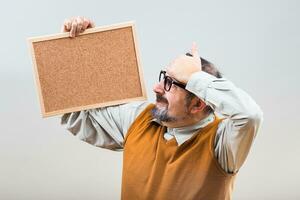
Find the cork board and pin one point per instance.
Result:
(100, 67)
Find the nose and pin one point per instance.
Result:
(159, 88)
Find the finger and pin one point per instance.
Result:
(66, 25)
(73, 28)
(79, 21)
(91, 24)
(86, 23)
(194, 50)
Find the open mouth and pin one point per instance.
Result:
(161, 99)
(160, 104)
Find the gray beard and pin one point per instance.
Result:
(162, 115)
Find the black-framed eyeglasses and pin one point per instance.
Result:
(168, 81)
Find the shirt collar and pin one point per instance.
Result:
(182, 134)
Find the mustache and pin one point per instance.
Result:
(160, 98)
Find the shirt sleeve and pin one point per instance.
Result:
(243, 117)
(103, 127)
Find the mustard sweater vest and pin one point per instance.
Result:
(157, 169)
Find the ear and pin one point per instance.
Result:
(197, 105)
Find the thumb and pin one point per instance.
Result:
(194, 52)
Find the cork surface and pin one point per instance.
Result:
(87, 70)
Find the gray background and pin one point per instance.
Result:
(254, 43)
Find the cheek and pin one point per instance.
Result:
(176, 105)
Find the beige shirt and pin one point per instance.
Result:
(107, 127)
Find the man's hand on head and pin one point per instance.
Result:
(76, 25)
(184, 66)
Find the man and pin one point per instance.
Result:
(177, 148)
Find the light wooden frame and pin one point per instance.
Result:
(34, 40)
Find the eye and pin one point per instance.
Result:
(168, 83)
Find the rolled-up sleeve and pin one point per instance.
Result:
(243, 117)
(103, 127)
